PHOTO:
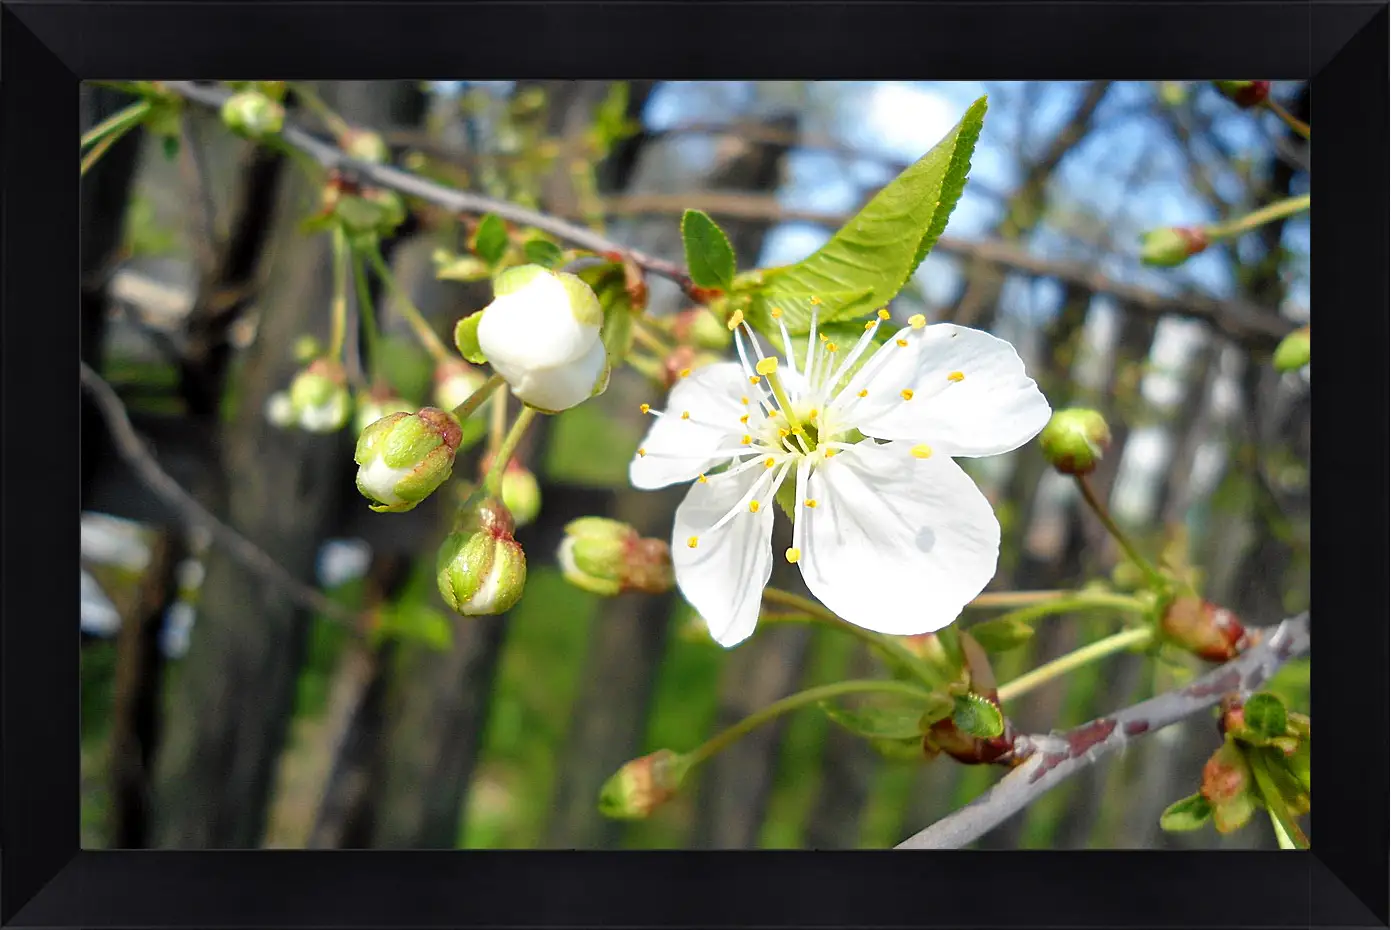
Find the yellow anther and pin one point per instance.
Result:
(917, 321)
(746, 440)
(883, 313)
(766, 366)
(753, 379)
(692, 541)
(685, 414)
(769, 462)
(903, 343)
(811, 414)
(864, 393)
(753, 506)
(784, 432)
(921, 452)
(744, 418)
(794, 554)
(703, 480)
(744, 401)
(735, 319)
(831, 452)
(871, 324)
(906, 393)
(685, 372)
(775, 312)
(641, 453)
(646, 408)
(816, 301)
(823, 336)
(830, 347)
(956, 376)
(811, 502)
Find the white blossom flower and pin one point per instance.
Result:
(542, 334)
(888, 531)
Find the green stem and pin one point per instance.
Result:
(335, 123)
(1119, 642)
(1275, 806)
(1098, 508)
(725, 738)
(414, 317)
(338, 333)
(1015, 598)
(1298, 125)
(1281, 836)
(476, 399)
(1079, 600)
(117, 123)
(645, 336)
(1275, 211)
(890, 648)
(509, 445)
(369, 317)
(498, 427)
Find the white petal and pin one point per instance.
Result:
(993, 408)
(896, 544)
(564, 386)
(678, 450)
(533, 327)
(723, 576)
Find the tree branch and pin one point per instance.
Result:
(1056, 757)
(137, 455)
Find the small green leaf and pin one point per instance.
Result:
(709, 256)
(490, 240)
(1233, 815)
(542, 252)
(466, 338)
(977, 716)
(460, 267)
(608, 283)
(1264, 716)
(1185, 815)
(870, 259)
(940, 707)
(1001, 634)
(892, 722)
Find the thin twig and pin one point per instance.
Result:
(1056, 757)
(147, 468)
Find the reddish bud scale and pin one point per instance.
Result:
(444, 423)
(681, 326)
(1195, 240)
(1252, 94)
(1204, 629)
(328, 368)
(648, 565)
(1225, 775)
(681, 359)
(703, 295)
(970, 750)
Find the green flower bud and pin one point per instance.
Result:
(365, 145)
(373, 406)
(455, 382)
(643, 785)
(403, 457)
(374, 212)
(307, 348)
(1171, 246)
(521, 493)
(607, 557)
(319, 397)
(1075, 440)
(1206, 630)
(1244, 94)
(1227, 782)
(252, 114)
(480, 568)
(1292, 353)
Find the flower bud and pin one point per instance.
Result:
(373, 212)
(374, 405)
(480, 568)
(307, 348)
(252, 114)
(403, 457)
(1292, 353)
(455, 382)
(280, 410)
(643, 785)
(319, 397)
(1206, 630)
(541, 333)
(1227, 786)
(607, 557)
(1075, 440)
(1171, 246)
(1244, 94)
(521, 493)
(365, 145)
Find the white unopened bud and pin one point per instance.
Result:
(541, 333)
(319, 398)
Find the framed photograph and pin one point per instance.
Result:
(711, 465)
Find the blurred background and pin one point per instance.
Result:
(217, 714)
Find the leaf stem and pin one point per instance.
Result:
(726, 737)
(1296, 124)
(414, 317)
(493, 482)
(498, 426)
(645, 336)
(339, 331)
(1269, 213)
(116, 123)
(1015, 598)
(369, 317)
(1073, 600)
(1118, 642)
(1085, 486)
(476, 399)
(1276, 807)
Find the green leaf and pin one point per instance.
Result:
(940, 707)
(870, 259)
(460, 267)
(1264, 716)
(542, 252)
(490, 240)
(709, 256)
(1001, 634)
(466, 338)
(976, 716)
(893, 722)
(1185, 815)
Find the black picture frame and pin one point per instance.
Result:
(47, 48)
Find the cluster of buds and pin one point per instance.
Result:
(969, 726)
(253, 114)
(318, 400)
(363, 212)
(643, 785)
(1245, 94)
(607, 557)
(481, 568)
(520, 491)
(542, 334)
(1075, 440)
(404, 457)
(1292, 353)
(1171, 246)
(1207, 631)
